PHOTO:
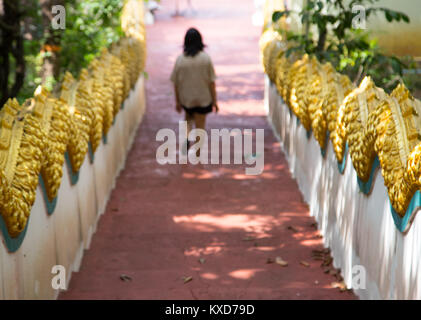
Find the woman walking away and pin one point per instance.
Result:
(194, 82)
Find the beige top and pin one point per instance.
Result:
(192, 77)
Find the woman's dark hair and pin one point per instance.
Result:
(193, 42)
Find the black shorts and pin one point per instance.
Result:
(201, 110)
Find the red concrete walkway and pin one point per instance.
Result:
(212, 223)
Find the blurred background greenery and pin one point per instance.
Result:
(325, 28)
(32, 52)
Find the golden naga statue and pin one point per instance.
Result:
(353, 126)
(55, 121)
(398, 145)
(366, 118)
(35, 136)
(22, 146)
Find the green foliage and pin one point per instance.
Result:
(90, 26)
(19, 23)
(350, 50)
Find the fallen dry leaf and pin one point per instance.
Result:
(187, 279)
(125, 277)
(339, 285)
(333, 272)
(318, 252)
(202, 260)
(305, 263)
(281, 262)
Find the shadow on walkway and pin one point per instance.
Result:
(209, 222)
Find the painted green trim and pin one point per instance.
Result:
(366, 187)
(50, 205)
(323, 151)
(74, 177)
(403, 223)
(341, 165)
(308, 132)
(91, 153)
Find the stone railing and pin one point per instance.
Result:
(367, 219)
(59, 157)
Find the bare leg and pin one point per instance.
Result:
(200, 123)
(190, 120)
(200, 120)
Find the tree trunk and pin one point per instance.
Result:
(19, 55)
(322, 40)
(11, 46)
(307, 25)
